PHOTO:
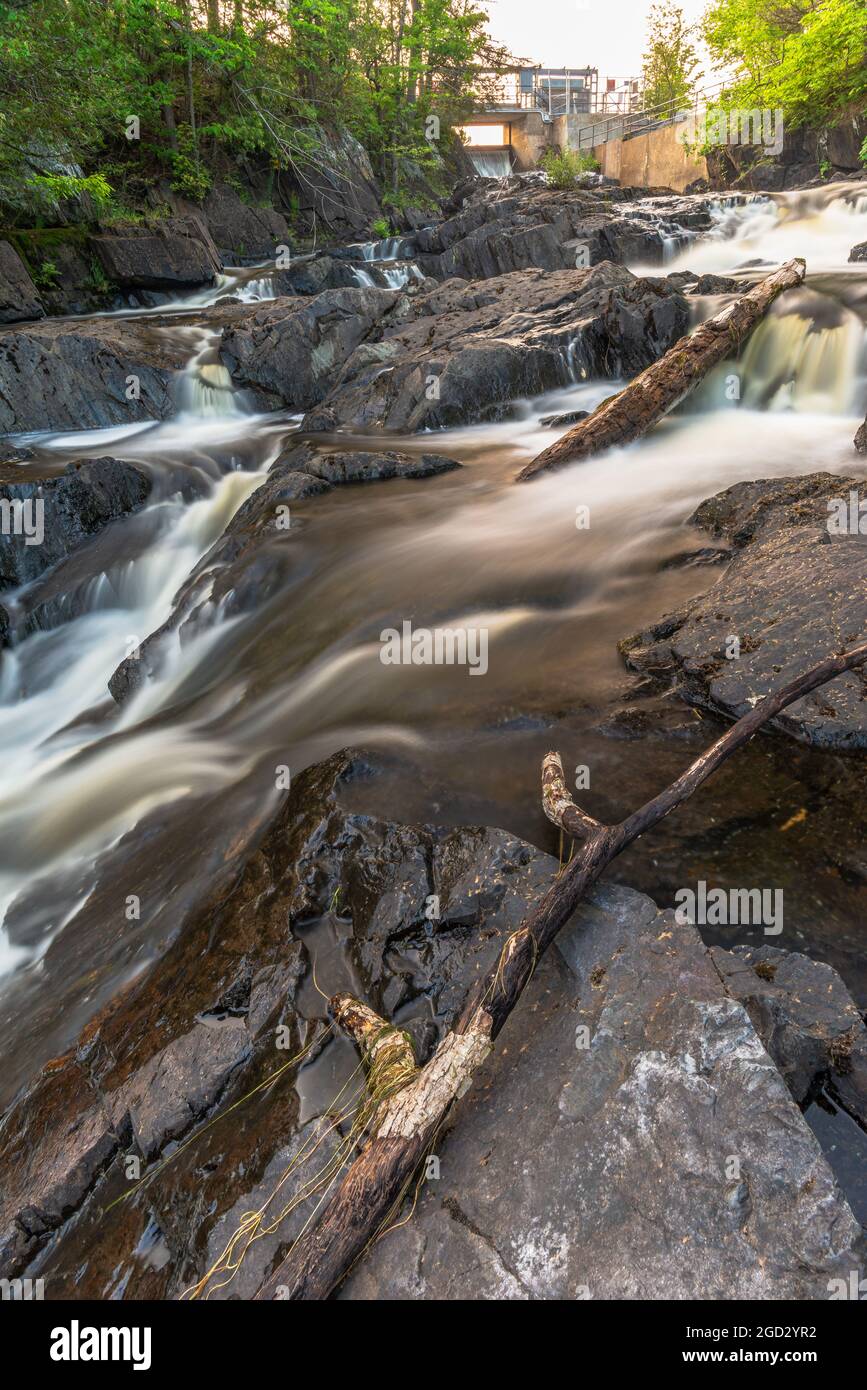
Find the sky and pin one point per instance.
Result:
(605, 34)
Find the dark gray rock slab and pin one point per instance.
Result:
(67, 375)
(19, 298)
(70, 508)
(172, 255)
(465, 352)
(290, 352)
(795, 591)
(242, 231)
(805, 1017)
(664, 1159)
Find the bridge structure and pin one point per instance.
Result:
(532, 110)
(527, 113)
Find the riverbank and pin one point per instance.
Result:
(134, 831)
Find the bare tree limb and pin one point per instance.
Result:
(662, 385)
(406, 1124)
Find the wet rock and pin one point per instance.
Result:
(356, 467)
(571, 1170)
(716, 284)
(62, 512)
(538, 226)
(18, 295)
(249, 563)
(794, 593)
(179, 1084)
(596, 1165)
(859, 252)
(558, 422)
(290, 352)
(63, 375)
(175, 254)
(805, 1017)
(464, 352)
(240, 231)
(861, 438)
(52, 1152)
(313, 274)
(337, 188)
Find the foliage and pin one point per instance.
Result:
(140, 91)
(669, 68)
(564, 169)
(381, 228)
(807, 58)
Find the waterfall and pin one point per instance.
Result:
(206, 389)
(809, 355)
(492, 164)
(821, 224)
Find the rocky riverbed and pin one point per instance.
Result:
(221, 805)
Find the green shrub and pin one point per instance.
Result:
(566, 168)
(45, 276)
(189, 177)
(381, 228)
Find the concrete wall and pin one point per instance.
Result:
(655, 160)
(531, 137)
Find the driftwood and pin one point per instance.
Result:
(629, 414)
(404, 1127)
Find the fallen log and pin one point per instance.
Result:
(661, 386)
(405, 1125)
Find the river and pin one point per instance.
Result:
(194, 753)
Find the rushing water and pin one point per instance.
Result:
(302, 676)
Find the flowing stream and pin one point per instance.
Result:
(302, 676)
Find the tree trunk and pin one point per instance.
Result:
(660, 387)
(407, 1122)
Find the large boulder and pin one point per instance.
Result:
(795, 592)
(553, 230)
(18, 295)
(240, 231)
(62, 375)
(55, 514)
(592, 1158)
(464, 353)
(634, 1141)
(290, 352)
(175, 254)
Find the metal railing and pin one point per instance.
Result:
(641, 122)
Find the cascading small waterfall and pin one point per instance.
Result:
(809, 355)
(206, 389)
(384, 265)
(492, 164)
(820, 224)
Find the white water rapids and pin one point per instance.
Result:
(302, 677)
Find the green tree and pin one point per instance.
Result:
(670, 65)
(806, 57)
